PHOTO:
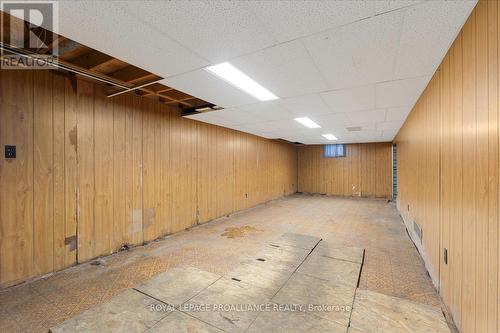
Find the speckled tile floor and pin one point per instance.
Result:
(392, 265)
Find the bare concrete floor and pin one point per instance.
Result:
(392, 266)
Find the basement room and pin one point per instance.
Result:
(250, 166)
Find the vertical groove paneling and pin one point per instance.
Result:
(460, 134)
(482, 165)
(445, 171)
(93, 174)
(70, 174)
(150, 168)
(86, 181)
(61, 251)
(365, 171)
(120, 217)
(492, 228)
(43, 175)
(103, 168)
(16, 176)
(207, 189)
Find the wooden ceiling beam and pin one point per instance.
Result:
(58, 40)
(69, 50)
(112, 65)
(144, 78)
(165, 90)
(181, 100)
(162, 90)
(129, 73)
(91, 59)
(114, 79)
(170, 99)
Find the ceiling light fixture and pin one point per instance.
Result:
(233, 75)
(307, 122)
(329, 136)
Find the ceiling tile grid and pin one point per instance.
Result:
(358, 53)
(340, 63)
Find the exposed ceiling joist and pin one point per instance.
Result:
(129, 73)
(147, 77)
(55, 43)
(69, 50)
(83, 61)
(91, 59)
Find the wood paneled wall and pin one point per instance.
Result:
(94, 173)
(365, 171)
(448, 172)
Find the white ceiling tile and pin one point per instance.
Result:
(352, 99)
(367, 116)
(421, 50)
(208, 117)
(291, 126)
(267, 111)
(302, 106)
(398, 113)
(270, 135)
(268, 126)
(217, 30)
(335, 120)
(383, 6)
(359, 53)
(389, 125)
(249, 129)
(389, 135)
(400, 93)
(210, 88)
(369, 134)
(288, 20)
(260, 127)
(236, 116)
(286, 69)
(111, 30)
(390, 132)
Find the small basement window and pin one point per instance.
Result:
(334, 150)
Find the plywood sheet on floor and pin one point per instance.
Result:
(307, 290)
(297, 240)
(293, 322)
(128, 312)
(232, 293)
(277, 256)
(338, 251)
(178, 285)
(334, 270)
(261, 275)
(179, 322)
(377, 313)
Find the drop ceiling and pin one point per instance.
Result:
(341, 63)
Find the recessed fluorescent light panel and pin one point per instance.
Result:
(307, 122)
(233, 75)
(330, 137)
